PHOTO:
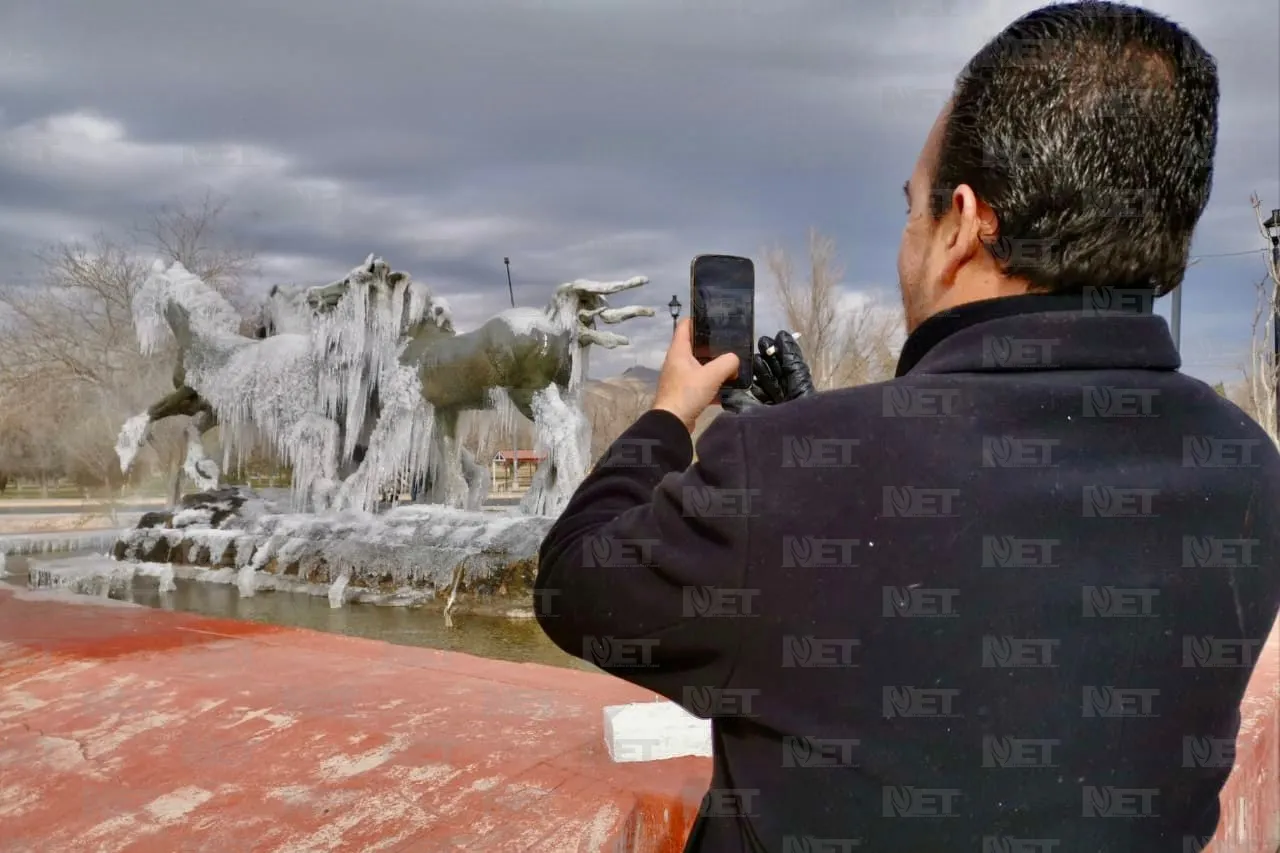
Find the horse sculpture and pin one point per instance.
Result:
(368, 382)
(528, 360)
(285, 311)
(300, 389)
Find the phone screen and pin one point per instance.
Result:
(723, 294)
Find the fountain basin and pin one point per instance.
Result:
(486, 561)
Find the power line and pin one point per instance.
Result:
(1228, 254)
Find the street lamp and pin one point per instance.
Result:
(510, 290)
(674, 307)
(1272, 226)
(1273, 231)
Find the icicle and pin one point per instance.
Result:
(165, 577)
(246, 582)
(338, 589)
(132, 436)
(561, 430)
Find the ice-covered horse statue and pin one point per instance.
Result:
(527, 360)
(290, 387)
(285, 311)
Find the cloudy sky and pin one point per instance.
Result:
(582, 138)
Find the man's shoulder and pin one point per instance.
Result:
(858, 404)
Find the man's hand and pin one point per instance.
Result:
(686, 386)
(779, 374)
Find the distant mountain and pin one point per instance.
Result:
(637, 378)
(641, 373)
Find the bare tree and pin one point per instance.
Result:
(846, 342)
(193, 238)
(70, 368)
(611, 407)
(1263, 372)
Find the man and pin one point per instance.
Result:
(1010, 599)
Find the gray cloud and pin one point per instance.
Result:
(582, 138)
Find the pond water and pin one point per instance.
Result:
(519, 640)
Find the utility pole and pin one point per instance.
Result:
(510, 289)
(1175, 317)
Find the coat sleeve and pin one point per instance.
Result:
(643, 574)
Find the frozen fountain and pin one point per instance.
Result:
(364, 388)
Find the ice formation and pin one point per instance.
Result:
(24, 544)
(372, 362)
(98, 576)
(289, 388)
(419, 547)
(132, 436)
(565, 434)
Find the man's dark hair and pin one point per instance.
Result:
(1090, 129)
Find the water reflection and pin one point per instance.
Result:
(518, 640)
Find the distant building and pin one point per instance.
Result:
(513, 470)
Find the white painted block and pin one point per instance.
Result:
(653, 731)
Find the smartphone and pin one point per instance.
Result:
(723, 294)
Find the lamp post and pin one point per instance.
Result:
(674, 307)
(510, 290)
(1272, 226)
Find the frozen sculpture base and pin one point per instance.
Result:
(470, 560)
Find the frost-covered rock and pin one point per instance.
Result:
(421, 548)
(228, 507)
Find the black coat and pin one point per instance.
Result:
(1007, 601)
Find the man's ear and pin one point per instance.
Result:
(968, 226)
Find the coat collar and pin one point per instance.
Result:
(1038, 332)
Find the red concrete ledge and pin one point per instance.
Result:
(132, 730)
(129, 729)
(1250, 821)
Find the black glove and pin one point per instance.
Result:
(779, 374)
